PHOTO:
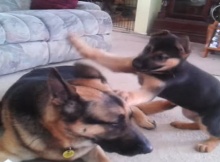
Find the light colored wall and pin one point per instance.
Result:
(147, 11)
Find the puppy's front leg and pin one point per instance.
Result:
(141, 119)
(155, 106)
(139, 96)
(150, 88)
(114, 63)
(96, 155)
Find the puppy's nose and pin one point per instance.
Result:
(137, 63)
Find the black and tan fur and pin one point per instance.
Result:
(163, 71)
(50, 110)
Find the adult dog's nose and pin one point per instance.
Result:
(130, 142)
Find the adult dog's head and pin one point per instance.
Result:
(164, 52)
(90, 111)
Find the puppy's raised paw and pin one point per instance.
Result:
(82, 47)
(124, 95)
(128, 97)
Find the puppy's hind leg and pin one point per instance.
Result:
(141, 119)
(183, 125)
(195, 125)
(210, 124)
(96, 155)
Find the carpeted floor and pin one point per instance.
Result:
(170, 145)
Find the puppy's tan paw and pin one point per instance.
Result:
(148, 124)
(205, 148)
(208, 145)
(141, 119)
(126, 96)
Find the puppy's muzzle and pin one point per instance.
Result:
(137, 63)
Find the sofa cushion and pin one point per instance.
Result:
(54, 4)
(21, 56)
(14, 5)
(51, 25)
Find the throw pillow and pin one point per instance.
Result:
(53, 4)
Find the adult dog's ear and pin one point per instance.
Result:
(58, 88)
(185, 43)
(89, 72)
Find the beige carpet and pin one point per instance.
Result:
(170, 145)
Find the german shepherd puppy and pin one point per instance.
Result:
(163, 71)
(62, 114)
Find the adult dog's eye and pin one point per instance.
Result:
(90, 120)
(121, 118)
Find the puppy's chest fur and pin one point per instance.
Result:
(191, 88)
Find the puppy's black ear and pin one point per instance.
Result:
(185, 43)
(161, 33)
(58, 87)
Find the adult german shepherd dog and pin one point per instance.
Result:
(66, 113)
(163, 71)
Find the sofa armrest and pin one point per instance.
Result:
(87, 6)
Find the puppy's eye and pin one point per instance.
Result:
(148, 49)
(181, 50)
